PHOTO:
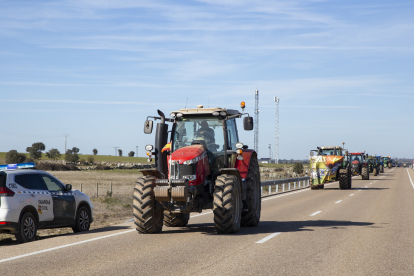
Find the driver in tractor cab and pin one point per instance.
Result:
(357, 159)
(206, 131)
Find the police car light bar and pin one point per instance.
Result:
(28, 165)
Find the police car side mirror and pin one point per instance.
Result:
(68, 187)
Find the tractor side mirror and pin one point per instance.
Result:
(248, 123)
(148, 126)
(68, 187)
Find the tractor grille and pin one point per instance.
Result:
(180, 170)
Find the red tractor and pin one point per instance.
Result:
(203, 166)
(359, 165)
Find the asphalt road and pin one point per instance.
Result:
(367, 230)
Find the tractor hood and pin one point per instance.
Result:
(196, 152)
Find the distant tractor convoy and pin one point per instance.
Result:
(200, 164)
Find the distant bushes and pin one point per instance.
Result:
(46, 166)
(102, 167)
(13, 157)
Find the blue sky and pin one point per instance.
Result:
(95, 69)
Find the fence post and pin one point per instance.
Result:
(97, 190)
(283, 188)
(289, 186)
(270, 189)
(261, 190)
(81, 186)
(277, 188)
(111, 188)
(294, 185)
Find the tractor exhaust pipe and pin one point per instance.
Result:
(161, 136)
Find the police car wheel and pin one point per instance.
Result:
(82, 222)
(28, 228)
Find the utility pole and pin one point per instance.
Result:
(116, 150)
(66, 140)
(277, 131)
(270, 152)
(137, 151)
(256, 123)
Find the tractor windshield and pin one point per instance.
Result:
(206, 131)
(330, 152)
(358, 158)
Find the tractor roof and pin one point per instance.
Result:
(356, 153)
(330, 148)
(201, 110)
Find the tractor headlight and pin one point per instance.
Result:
(172, 115)
(190, 177)
(149, 147)
(189, 162)
(216, 113)
(179, 115)
(223, 113)
(239, 145)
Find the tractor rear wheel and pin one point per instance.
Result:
(227, 204)
(147, 220)
(176, 219)
(254, 199)
(343, 179)
(365, 173)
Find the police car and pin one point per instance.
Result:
(33, 199)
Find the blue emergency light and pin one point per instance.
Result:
(28, 165)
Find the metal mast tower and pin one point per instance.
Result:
(66, 140)
(277, 131)
(256, 121)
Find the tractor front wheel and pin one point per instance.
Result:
(227, 204)
(254, 199)
(176, 219)
(343, 179)
(147, 220)
(365, 173)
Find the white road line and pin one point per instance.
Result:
(351, 194)
(314, 214)
(366, 187)
(268, 237)
(410, 178)
(202, 214)
(63, 246)
(338, 201)
(129, 220)
(359, 190)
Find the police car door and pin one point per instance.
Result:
(39, 196)
(63, 201)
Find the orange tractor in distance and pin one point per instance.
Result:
(203, 166)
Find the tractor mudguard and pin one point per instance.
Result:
(153, 172)
(243, 165)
